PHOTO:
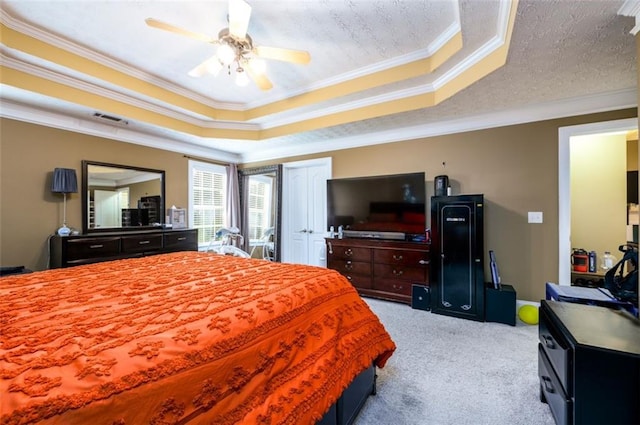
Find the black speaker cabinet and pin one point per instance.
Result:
(457, 260)
(420, 297)
(501, 305)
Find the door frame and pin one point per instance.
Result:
(564, 184)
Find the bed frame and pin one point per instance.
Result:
(346, 409)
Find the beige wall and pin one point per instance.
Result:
(515, 167)
(29, 212)
(599, 193)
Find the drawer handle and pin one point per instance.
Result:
(348, 278)
(348, 265)
(144, 242)
(183, 238)
(423, 262)
(348, 252)
(397, 272)
(548, 386)
(548, 341)
(96, 246)
(397, 257)
(397, 286)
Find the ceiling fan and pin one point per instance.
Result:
(236, 50)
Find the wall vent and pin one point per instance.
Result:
(111, 118)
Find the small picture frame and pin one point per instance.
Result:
(177, 217)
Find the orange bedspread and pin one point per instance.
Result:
(181, 338)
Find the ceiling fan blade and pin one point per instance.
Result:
(211, 66)
(171, 28)
(259, 78)
(239, 15)
(286, 55)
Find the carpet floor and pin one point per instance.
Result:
(447, 370)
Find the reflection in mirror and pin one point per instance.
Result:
(120, 197)
(260, 204)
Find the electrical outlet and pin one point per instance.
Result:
(535, 216)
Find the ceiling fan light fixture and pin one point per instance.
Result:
(242, 79)
(226, 54)
(214, 66)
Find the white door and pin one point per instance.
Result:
(305, 211)
(317, 177)
(295, 239)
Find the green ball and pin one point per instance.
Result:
(528, 314)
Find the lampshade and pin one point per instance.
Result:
(241, 77)
(64, 181)
(226, 54)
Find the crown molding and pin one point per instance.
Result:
(631, 8)
(169, 111)
(30, 114)
(602, 102)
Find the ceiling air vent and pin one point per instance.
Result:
(116, 120)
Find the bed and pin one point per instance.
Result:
(183, 338)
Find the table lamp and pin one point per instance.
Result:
(64, 181)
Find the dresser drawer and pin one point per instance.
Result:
(398, 256)
(551, 390)
(87, 249)
(141, 243)
(396, 286)
(181, 241)
(350, 253)
(388, 271)
(557, 350)
(359, 281)
(350, 267)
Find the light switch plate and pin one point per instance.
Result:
(535, 216)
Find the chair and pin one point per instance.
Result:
(228, 236)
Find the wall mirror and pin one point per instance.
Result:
(121, 197)
(260, 206)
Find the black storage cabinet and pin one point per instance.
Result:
(457, 260)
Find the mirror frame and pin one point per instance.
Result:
(247, 172)
(85, 198)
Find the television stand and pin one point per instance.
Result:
(379, 268)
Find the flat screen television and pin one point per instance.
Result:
(383, 207)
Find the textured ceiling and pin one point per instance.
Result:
(487, 60)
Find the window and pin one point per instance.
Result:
(260, 195)
(207, 200)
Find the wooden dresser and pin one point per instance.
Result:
(380, 268)
(67, 251)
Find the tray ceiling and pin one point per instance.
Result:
(380, 71)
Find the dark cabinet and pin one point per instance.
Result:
(589, 364)
(67, 251)
(457, 260)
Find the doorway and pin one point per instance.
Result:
(564, 184)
